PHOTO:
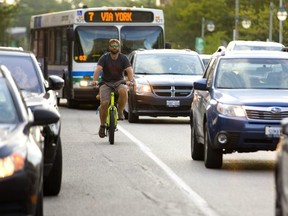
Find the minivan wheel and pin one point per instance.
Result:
(212, 158)
(52, 183)
(132, 118)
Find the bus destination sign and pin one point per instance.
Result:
(118, 16)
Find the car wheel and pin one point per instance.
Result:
(212, 158)
(39, 205)
(58, 101)
(52, 184)
(197, 149)
(132, 118)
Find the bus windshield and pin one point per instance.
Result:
(92, 42)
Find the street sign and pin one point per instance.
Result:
(199, 44)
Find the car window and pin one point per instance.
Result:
(168, 64)
(252, 73)
(8, 112)
(23, 72)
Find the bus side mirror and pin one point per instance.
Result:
(70, 34)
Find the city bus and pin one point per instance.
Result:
(69, 43)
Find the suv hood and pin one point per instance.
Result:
(164, 79)
(261, 97)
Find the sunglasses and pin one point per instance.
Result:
(114, 46)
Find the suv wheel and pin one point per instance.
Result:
(197, 149)
(52, 184)
(212, 158)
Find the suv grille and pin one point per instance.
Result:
(266, 113)
(172, 91)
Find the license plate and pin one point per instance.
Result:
(173, 103)
(272, 131)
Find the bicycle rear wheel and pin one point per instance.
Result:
(111, 131)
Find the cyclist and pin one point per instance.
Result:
(113, 64)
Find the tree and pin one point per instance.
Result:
(7, 17)
(183, 22)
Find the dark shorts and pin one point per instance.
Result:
(105, 91)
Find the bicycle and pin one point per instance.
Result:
(112, 112)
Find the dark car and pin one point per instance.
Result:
(163, 82)
(281, 176)
(21, 146)
(238, 104)
(39, 92)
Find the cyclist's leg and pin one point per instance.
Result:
(122, 99)
(104, 103)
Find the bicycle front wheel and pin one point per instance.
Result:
(111, 126)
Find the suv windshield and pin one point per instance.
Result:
(23, 72)
(252, 74)
(92, 42)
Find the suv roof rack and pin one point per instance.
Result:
(11, 48)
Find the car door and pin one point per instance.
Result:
(201, 101)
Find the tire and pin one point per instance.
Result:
(212, 158)
(39, 205)
(71, 103)
(58, 101)
(111, 132)
(197, 149)
(52, 183)
(132, 118)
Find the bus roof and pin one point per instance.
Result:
(98, 15)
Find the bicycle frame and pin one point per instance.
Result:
(112, 107)
(112, 113)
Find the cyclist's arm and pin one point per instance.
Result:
(96, 74)
(129, 71)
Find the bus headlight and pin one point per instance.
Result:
(84, 83)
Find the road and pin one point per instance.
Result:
(149, 171)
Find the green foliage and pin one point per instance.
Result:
(7, 16)
(183, 22)
(183, 18)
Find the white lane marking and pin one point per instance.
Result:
(197, 199)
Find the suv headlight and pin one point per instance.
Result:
(231, 110)
(142, 89)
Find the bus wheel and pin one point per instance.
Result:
(71, 103)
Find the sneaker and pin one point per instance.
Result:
(101, 132)
(120, 116)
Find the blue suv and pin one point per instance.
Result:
(238, 104)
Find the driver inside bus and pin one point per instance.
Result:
(113, 64)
